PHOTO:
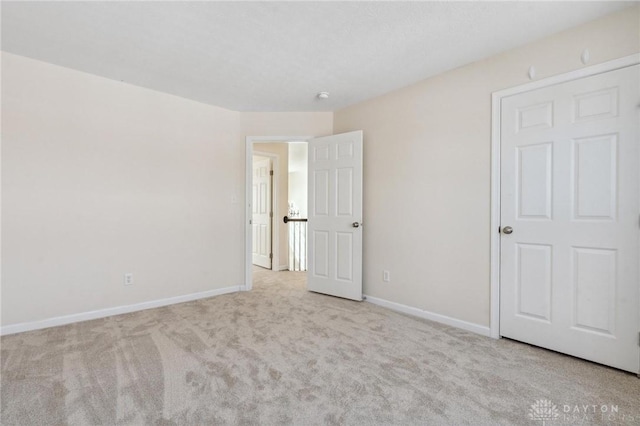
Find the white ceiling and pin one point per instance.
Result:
(275, 56)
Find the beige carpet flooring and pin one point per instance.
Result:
(282, 355)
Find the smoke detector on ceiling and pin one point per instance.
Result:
(323, 95)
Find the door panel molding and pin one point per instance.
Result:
(335, 214)
(496, 101)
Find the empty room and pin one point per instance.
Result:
(337, 213)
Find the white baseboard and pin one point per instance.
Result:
(85, 316)
(443, 319)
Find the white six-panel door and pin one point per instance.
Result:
(335, 215)
(570, 192)
(261, 213)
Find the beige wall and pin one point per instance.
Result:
(427, 169)
(286, 123)
(281, 150)
(101, 178)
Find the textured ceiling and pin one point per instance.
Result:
(275, 56)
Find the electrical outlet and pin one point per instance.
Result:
(128, 278)
(386, 276)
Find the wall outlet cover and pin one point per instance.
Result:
(128, 278)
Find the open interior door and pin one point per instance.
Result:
(261, 218)
(335, 215)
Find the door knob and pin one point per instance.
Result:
(355, 225)
(507, 230)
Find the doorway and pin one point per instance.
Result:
(335, 235)
(288, 157)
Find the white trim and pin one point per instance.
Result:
(613, 65)
(275, 225)
(249, 141)
(442, 319)
(494, 307)
(496, 100)
(118, 310)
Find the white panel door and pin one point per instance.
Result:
(261, 214)
(335, 215)
(570, 192)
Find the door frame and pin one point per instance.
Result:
(250, 142)
(275, 168)
(496, 100)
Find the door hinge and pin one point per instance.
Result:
(271, 172)
(250, 222)
(270, 214)
(270, 255)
